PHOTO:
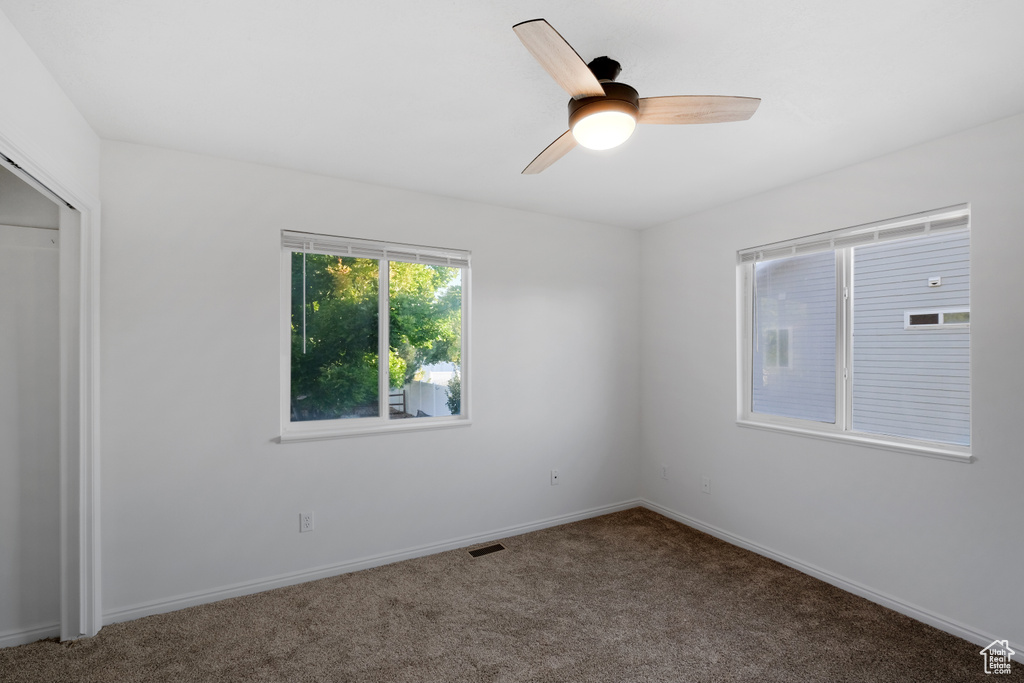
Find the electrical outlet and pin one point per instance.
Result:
(305, 522)
(664, 471)
(705, 484)
(554, 477)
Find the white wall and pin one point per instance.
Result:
(196, 495)
(943, 536)
(39, 119)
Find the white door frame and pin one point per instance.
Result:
(80, 600)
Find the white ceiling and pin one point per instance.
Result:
(442, 97)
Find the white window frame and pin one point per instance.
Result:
(293, 241)
(842, 243)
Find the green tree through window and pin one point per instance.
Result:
(335, 331)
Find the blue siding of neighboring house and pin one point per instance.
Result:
(797, 294)
(913, 383)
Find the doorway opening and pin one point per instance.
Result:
(49, 581)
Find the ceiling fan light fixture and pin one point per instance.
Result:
(604, 122)
(604, 129)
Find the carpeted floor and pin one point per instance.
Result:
(630, 596)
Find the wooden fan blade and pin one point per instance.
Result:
(696, 109)
(558, 58)
(552, 153)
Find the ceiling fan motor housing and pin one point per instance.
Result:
(617, 97)
(605, 68)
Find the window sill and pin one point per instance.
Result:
(335, 432)
(954, 453)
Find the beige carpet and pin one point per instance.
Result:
(631, 596)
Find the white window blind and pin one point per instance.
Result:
(926, 223)
(388, 251)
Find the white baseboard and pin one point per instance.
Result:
(31, 635)
(921, 614)
(248, 587)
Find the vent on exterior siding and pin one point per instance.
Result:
(486, 550)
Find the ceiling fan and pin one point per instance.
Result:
(603, 113)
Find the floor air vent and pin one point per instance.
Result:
(487, 550)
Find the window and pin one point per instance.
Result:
(349, 303)
(936, 318)
(862, 334)
(776, 348)
(797, 294)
